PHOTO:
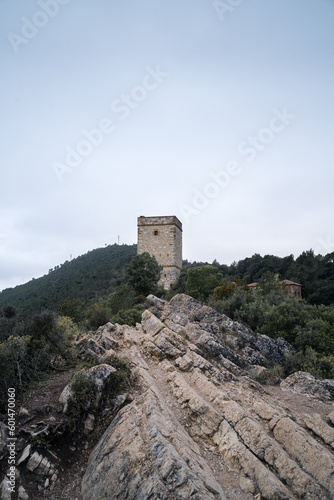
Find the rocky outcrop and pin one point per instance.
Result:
(198, 410)
(145, 454)
(196, 423)
(305, 383)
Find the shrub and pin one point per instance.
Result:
(202, 281)
(129, 316)
(118, 380)
(97, 314)
(310, 361)
(271, 375)
(82, 402)
(123, 298)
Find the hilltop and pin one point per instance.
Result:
(96, 273)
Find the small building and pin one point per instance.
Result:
(161, 237)
(295, 288)
(253, 286)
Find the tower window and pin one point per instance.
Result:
(156, 232)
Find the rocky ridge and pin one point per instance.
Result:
(196, 423)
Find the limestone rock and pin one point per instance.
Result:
(184, 363)
(99, 375)
(22, 494)
(5, 489)
(155, 301)
(257, 370)
(154, 456)
(308, 384)
(34, 461)
(314, 459)
(89, 424)
(151, 324)
(25, 454)
(320, 428)
(170, 343)
(146, 454)
(23, 412)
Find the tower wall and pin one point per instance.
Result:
(161, 237)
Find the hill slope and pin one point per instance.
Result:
(95, 273)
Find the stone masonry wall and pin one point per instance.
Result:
(162, 237)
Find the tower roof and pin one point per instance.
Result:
(159, 220)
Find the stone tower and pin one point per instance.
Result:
(162, 237)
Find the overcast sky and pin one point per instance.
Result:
(218, 112)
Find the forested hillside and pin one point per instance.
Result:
(314, 272)
(87, 277)
(100, 271)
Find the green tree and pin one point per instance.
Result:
(123, 298)
(143, 273)
(202, 281)
(317, 334)
(283, 319)
(227, 288)
(73, 308)
(97, 315)
(268, 282)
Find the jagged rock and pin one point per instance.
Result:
(252, 356)
(247, 485)
(23, 412)
(170, 343)
(155, 301)
(314, 459)
(22, 494)
(320, 428)
(25, 454)
(257, 370)
(146, 454)
(89, 345)
(331, 418)
(107, 328)
(273, 350)
(239, 458)
(194, 403)
(34, 461)
(6, 489)
(89, 424)
(66, 394)
(184, 363)
(151, 324)
(258, 349)
(151, 350)
(306, 383)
